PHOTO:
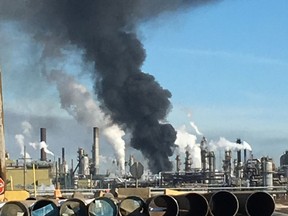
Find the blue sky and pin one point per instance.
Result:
(225, 63)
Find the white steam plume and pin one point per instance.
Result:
(114, 135)
(227, 145)
(247, 146)
(27, 128)
(20, 141)
(78, 102)
(41, 145)
(193, 125)
(187, 141)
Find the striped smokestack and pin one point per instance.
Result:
(95, 150)
(43, 156)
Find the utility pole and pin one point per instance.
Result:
(2, 139)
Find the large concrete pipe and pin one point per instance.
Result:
(73, 206)
(102, 206)
(133, 206)
(44, 207)
(192, 204)
(12, 208)
(222, 203)
(255, 203)
(162, 205)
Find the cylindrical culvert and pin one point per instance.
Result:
(44, 207)
(192, 204)
(73, 206)
(133, 206)
(102, 206)
(13, 208)
(256, 203)
(222, 203)
(162, 205)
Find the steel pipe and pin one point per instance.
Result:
(44, 207)
(222, 203)
(255, 203)
(133, 206)
(192, 204)
(73, 206)
(12, 208)
(163, 205)
(102, 206)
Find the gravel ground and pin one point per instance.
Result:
(281, 205)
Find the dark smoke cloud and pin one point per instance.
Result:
(106, 31)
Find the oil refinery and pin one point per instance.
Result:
(238, 169)
(243, 185)
(242, 181)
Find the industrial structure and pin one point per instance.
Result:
(235, 172)
(241, 170)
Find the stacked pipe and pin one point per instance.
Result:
(192, 204)
(42, 207)
(222, 203)
(73, 206)
(133, 205)
(162, 205)
(103, 206)
(255, 203)
(213, 204)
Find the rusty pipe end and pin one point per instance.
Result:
(260, 203)
(11, 208)
(223, 203)
(133, 205)
(164, 204)
(192, 204)
(103, 206)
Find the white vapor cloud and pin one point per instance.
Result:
(193, 125)
(41, 145)
(187, 141)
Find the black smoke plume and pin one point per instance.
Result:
(106, 31)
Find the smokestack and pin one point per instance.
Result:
(245, 155)
(238, 141)
(95, 150)
(63, 155)
(43, 156)
(63, 165)
(203, 146)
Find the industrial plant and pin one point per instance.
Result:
(238, 169)
(240, 172)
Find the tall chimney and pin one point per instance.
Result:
(63, 165)
(239, 142)
(203, 146)
(43, 156)
(95, 150)
(245, 155)
(63, 155)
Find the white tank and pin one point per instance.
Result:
(267, 173)
(84, 166)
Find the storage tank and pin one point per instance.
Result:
(84, 166)
(84, 163)
(267, 169)
(284, 159)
